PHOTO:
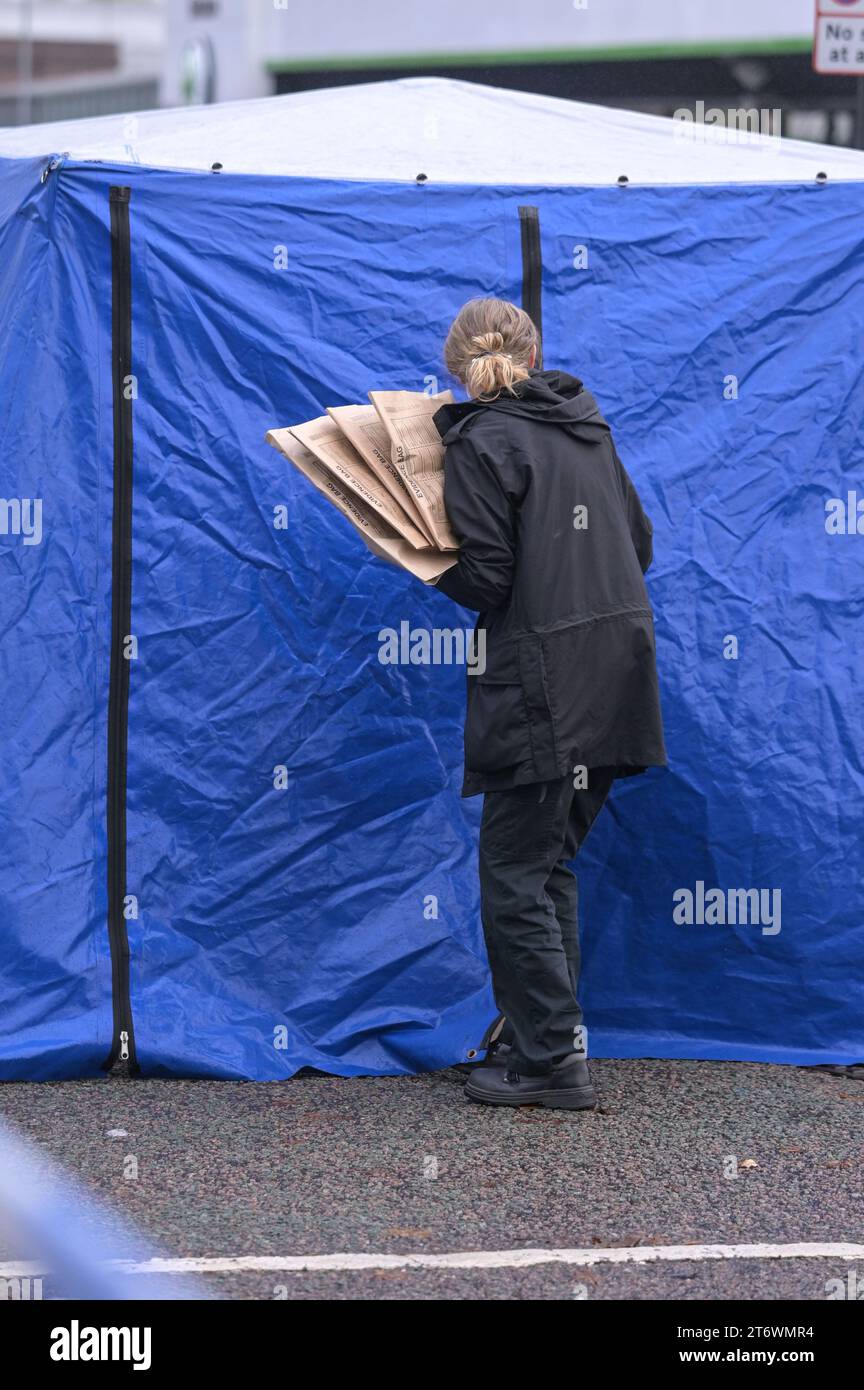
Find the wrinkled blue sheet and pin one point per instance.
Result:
(334, 923)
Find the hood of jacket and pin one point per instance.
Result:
(553, 398)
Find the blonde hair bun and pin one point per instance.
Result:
(489, 346)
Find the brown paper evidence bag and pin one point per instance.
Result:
(382, 466)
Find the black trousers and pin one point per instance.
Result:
(530, 911)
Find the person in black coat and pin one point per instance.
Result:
(554, 544)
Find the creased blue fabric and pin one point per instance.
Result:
(333, 923)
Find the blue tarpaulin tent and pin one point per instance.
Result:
(231, 838)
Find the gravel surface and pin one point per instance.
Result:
(320, 1164)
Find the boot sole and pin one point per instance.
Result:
(576, 1098)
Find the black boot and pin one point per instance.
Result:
(567, 1086)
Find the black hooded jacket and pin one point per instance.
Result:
(553, 547)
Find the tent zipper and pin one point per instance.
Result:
(532, 272)
(123, 1042)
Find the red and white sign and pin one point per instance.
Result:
(838, 45)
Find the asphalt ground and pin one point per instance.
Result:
(679, 1153)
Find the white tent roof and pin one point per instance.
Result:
(454, 132)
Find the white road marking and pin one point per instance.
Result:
(467, 1259)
